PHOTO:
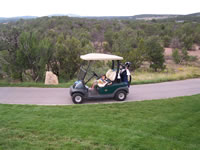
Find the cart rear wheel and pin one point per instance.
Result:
(77, 98)
(121, 95)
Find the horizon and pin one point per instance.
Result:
(77, 15)
(92, 8)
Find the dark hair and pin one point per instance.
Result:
(127, 64)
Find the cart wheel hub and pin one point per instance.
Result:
(121, 96)
(78, 98)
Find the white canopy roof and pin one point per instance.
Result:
(100, 56)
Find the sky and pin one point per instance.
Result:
(12, 8)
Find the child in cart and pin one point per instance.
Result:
(101, 82)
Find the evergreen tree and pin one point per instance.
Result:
(68, 53)
(33, 54)
(154, 53)
(136, 56)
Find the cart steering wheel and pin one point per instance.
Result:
(94, 74)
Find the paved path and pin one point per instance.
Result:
(60, 96)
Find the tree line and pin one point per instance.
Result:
(30, 47)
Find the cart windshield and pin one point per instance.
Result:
(99, 68)
(81, 73)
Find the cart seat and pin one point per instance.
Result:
(111, 75)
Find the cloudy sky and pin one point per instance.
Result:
(10, 8)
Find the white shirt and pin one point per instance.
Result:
(128, 72)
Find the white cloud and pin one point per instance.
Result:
(96, 7)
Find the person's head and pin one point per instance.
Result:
(103, 77)
(127, 64)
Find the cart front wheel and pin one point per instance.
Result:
(77, 98)
(121, 95)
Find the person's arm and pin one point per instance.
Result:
(128, 74)
(102, 84)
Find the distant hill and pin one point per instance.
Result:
(195, 17)
(195, 14)
(174, 17)
(136, 17)
(144, 17)
(14, 19)
(153, 16)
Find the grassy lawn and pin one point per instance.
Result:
(171, 124)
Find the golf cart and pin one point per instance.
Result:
(115, 89)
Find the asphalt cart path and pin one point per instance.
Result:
(60, 96)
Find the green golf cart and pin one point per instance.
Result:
(114, 89)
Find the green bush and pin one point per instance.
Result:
(185, 55)
(181, 56)
(166, 41)
(192, 58)
(176, 56)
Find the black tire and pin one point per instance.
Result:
(120, 95)
(77, 98)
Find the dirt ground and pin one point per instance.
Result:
(194, 52)
(168, 53)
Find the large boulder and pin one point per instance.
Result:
(51, 79)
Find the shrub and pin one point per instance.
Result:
(185, 55)
(166, 41)
(176, 56)
(192, 58)
(154, 54)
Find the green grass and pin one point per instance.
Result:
(171, 124)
